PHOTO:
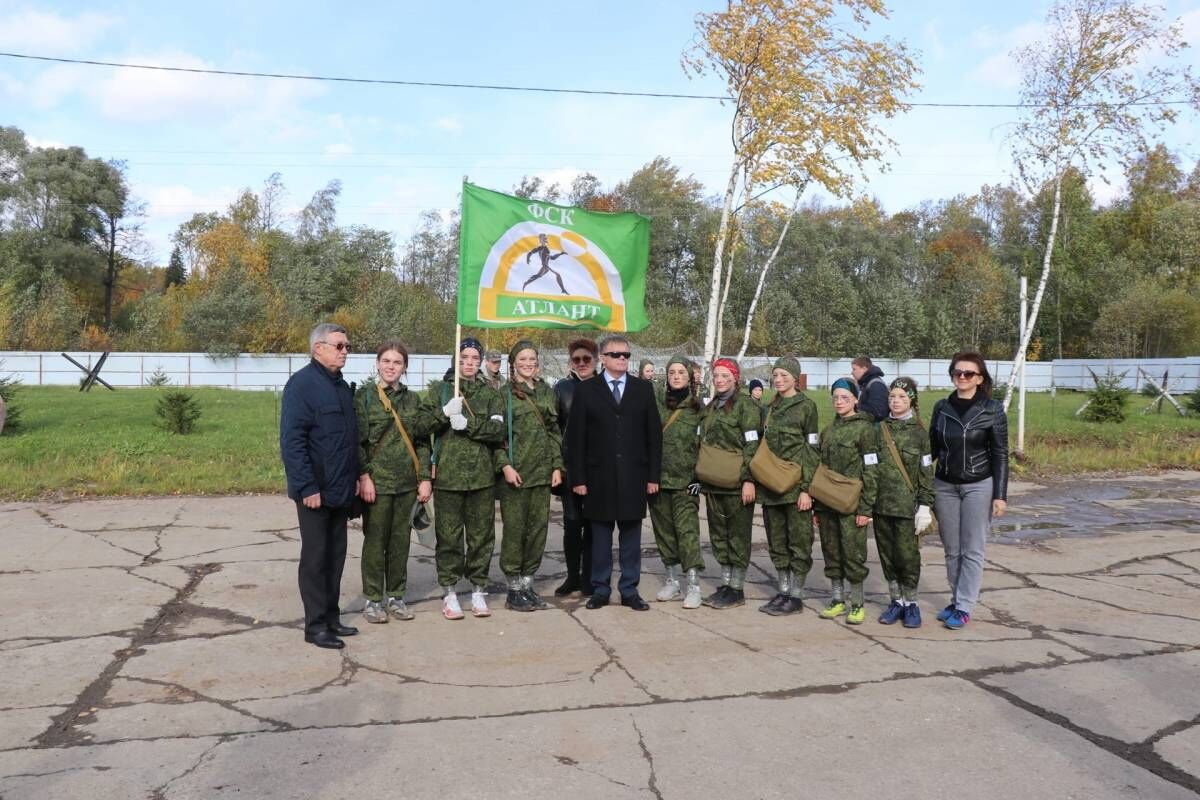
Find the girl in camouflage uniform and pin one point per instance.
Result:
(675, 510)
(389, 481)
(471, 427)
(730, 422)
(531, 463)
(848, 446)
(791, 433)
(902, 501)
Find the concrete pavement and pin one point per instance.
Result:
(152, 648)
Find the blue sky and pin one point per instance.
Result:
(192, 142)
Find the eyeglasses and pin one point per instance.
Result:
(581, 359)
(968, 374)
(623, 354)
(340, 346)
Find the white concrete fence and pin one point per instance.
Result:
(272, 371)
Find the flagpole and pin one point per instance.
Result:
(458, 325)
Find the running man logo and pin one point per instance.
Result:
(549, 266)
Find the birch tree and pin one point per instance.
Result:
(807, 90)
(1102, 79)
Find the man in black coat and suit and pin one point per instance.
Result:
(614, 459)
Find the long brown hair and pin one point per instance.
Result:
(981, 368)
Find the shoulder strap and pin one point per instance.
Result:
(671, 419)
(412, 451)
(891, 446)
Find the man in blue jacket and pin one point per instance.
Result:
(317, 439)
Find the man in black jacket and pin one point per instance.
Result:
(872, 388)
(614, 459)
(318, 430)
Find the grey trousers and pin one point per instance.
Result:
(964, 516)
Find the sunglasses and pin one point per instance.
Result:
(340, 346)
(963, 373)
(581, 359)
(620, 354)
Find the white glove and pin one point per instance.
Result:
(458, 422)
(923, 519)
(453, 406)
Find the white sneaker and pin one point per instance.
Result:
(450, 607)
(669, 591)
(479, 606)
(398, 609)
(693, 598)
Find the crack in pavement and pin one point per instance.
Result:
(652, 785)
(63, 729)
(611, 652)
(187, 695)
(159, 792)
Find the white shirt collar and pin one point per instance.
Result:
(609, 378)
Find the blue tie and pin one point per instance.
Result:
(617, 390)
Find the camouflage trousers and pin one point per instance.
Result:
(844, 546)
(386, 535)
(899, 552)
(525, 514)
(675, 515)
(729, 524)
(789, 538)
(464, 523)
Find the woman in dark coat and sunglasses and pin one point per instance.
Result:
(968, 436)
(577, 534)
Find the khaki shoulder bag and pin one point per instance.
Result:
(717, 466)
(412, 451)
(835, 491)
(891, 446)
(774, 473)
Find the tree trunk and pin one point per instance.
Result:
(110, 275)
(725, 289)
(714, 295)
(762, 276)
(1027, 334)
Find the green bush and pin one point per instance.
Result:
(158, 378)
(1192, 401)
(177, 412)
(8, 393)
(1107, 402)
(1149, 390)
(999, 391)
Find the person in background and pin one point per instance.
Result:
(646, 370)
(903, 496)
(393, 466)
(756, 391)
(791, 434)
(491, 369)
(531, 463)
(470, 428)
(731, 423)
(675, 510)
(968, 435)
(872, 389)
(317, 432)
(848, 447)
(577, 533)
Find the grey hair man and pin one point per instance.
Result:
(318, 442)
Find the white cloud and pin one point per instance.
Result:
(178, 200)
(934, 40)
(339, 149)
(999, 69)
(47, 33)
(36, 141)
(563, 176)
(448, 124)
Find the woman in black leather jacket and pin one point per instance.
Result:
(577, 534)
(968, 436)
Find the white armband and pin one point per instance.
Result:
(814, 438)
(927, 460)
(496, 417)
(870, 459)
(751, 436)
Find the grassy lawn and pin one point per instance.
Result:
(105, 443)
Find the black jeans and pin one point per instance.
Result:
(322, 557)
(629, 539)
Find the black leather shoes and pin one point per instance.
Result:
(325, 639)
(596, 601)
(338, 629)
(636, 603)
(569, 586)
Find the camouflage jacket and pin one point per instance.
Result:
(382, 452)
(732, 428)
(464, 458)
(849, 446)
(680, 442)
(536, 440)
(893, 496)
(791, 433)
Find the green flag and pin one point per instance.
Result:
(534, 264)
